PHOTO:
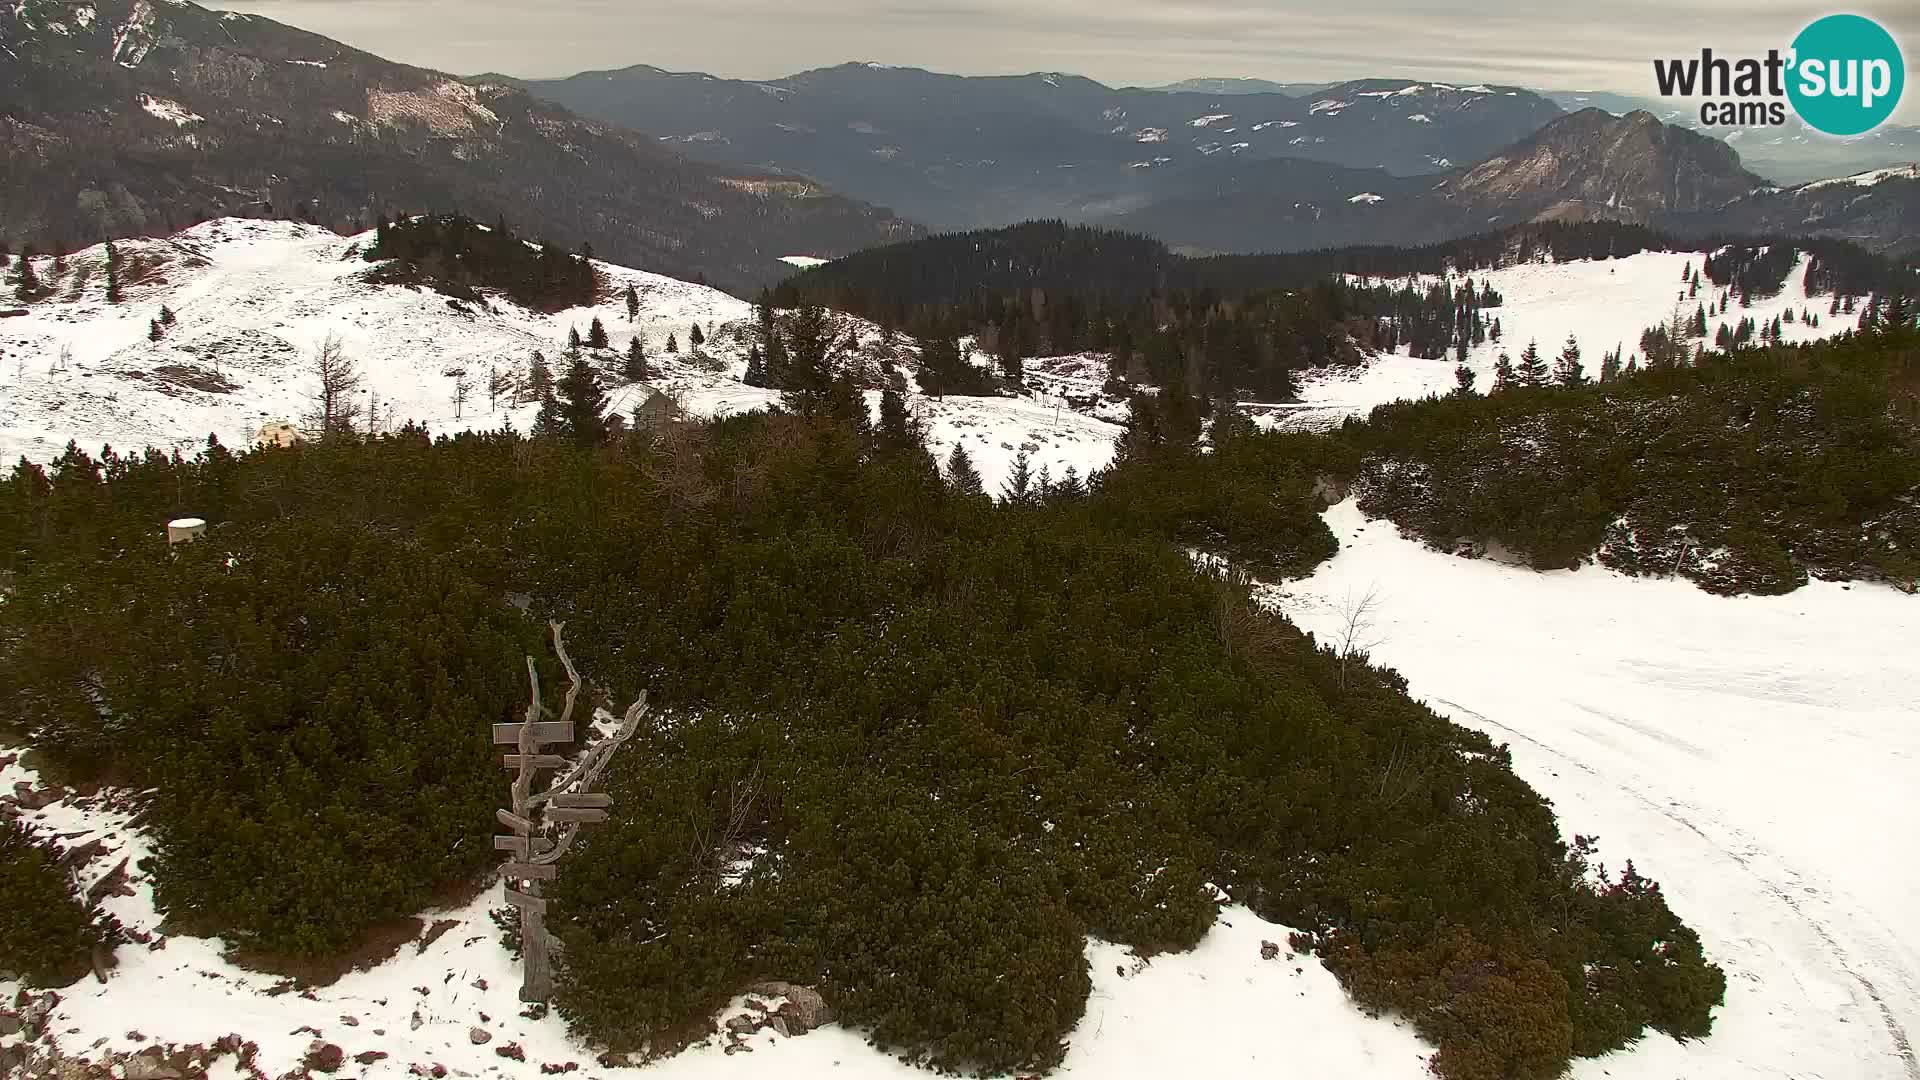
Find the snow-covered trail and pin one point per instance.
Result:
(1760, 757)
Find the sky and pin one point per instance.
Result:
(1548, 44)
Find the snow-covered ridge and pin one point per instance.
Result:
(1869, 178)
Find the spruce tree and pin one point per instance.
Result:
(1019, 486)
(597, 335)
(573, 339)
(26, 284)
(673, 345)
(113, 274)
(166, 315)
(579, 406)
(1532, 370)
(1610, 365)
(756, 368)
(539, 377)
(1463, 380)
(695, 338)
(897, 430)
(636, 366)
(633, 305)
(1503, 374)
(1568, 371)
(154, 333)
(961, 474)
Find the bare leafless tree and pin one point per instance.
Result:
(1358, 636)
(336, 399)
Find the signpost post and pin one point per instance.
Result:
(544, 823)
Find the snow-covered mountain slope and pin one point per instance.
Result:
(1755, 755)
(1604, 304)
(253, 300)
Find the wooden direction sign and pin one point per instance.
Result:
(519, 845)
(523, 871)
(544, 731)
(536, 811)
(525, 902)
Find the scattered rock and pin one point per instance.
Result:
(511, 1051)
(479, 984)
(1269, 950)
(350, 1021)
(479, 1036)
(322, 1057)
(416, 1021)
(113, 884)
(152, 1064)
(742, 1025)
(550, 1069)
(29, 799)
(77, 857)
(368, 1057)
(805, 1008)
(10, 1023)
(436, 931)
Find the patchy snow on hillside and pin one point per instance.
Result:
(1868, 178)
(802, 261)
(1604, 304)
(253, 300)
(170, 110)
(1755, 755)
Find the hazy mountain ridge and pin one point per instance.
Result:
(1588, 165)
(960, 151)
(127, 117)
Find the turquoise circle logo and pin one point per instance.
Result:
(1847, 75)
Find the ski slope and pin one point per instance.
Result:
(253, 300)
(1604, 304)
(1758, 756)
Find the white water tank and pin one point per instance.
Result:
(185, 530)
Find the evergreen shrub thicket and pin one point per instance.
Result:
(1747, 472)
(913, 746)
(460, 257)
(47, 932)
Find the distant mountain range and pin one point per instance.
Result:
(1589, 165)
(1793, 154)
(125, 117)
(956, 151)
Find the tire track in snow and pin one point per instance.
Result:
(1896, 1032)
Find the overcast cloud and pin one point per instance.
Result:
(1597, 45)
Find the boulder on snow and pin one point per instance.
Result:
(804, 1010)
(479, 1036)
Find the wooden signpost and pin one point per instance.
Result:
(544, 823)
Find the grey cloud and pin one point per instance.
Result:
(1598, 45)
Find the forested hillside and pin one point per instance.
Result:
(1039, 711)
(1246, 327)
(1747, 471)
